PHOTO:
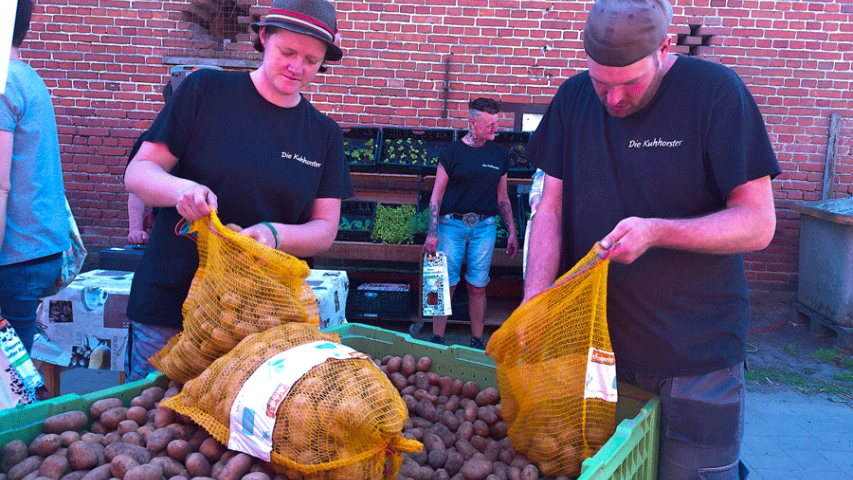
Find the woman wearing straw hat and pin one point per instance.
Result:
(248, 145)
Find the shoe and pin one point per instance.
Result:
(437, 340)
(477, 342)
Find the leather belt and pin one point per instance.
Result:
(470, 219)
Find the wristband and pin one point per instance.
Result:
(274, 234)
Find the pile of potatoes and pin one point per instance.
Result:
(460, 425)
(141, 441)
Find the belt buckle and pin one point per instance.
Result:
(470, 219)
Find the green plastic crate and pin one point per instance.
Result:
(631, 453)
(24, 422)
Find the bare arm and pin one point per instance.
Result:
(747, 223)
(147, 176)
(505, 209)
(438, 189)
(6, 140)
(310, 238)
(545, 246)
(135, 213)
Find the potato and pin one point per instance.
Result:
(140, 454)
(103, 472)
(426, 410)
(155, 393)
(465, 448)
(409, 364)
(399, 381)
(127, 426)
(256, 476)
(112, 417)
(99, 407)
(25, 467)
(170, 466)
(67, 438)
(530, 472)
(54, 466)
(138, 414)
(74, 475)
(487, 396)
(236, 467)
(142, 401)
(470, 389)
(477, 469)
(163, 417)
(212, 450)
(179, 449)
(111, 438)
(198, 465)
(394, 364)
(73, 420)
(450, 420)
(45, 445)
(456, 387)
(92, 437)
(14, 452)
(83, 455)
(423, 364)
(148, 471)
(121, 463)
(444, 384)
(454, 462)
(481, 428)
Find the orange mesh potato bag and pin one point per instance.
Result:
(241, 287)
(340, 419)
(556, 370)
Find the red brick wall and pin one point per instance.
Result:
(105, 62)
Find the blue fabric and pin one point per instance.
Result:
(36, 225)
(143, 341)
(473, 245)
(21, 286)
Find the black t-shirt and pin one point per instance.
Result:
(263, 162)
(671, 313)
(475, 174)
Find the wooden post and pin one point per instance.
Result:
(831, 153)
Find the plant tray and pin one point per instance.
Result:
(413, 152)
(377, 227)
(356, 221)
(361, 147)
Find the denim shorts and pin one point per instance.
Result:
(473, 245)
(143, 342)
(21, 286)
(702, 421)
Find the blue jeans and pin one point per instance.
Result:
(21, 286)
(474, 245)
(702, 420)
(143, 342)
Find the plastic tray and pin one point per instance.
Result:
(356, 211)
(631, 453)
(380, 299)
(361, 147)
(25, 422)
(425, 144)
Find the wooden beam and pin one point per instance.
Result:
(831, 153)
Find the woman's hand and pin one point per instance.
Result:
(196, 202)
(431, 244)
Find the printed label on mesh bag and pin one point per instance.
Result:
(254, 410)
(600, 375)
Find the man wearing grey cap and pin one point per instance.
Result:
(665, 161)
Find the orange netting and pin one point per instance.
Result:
(241, 287)
(341, 420)
(549, 356)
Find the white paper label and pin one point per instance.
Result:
(600, 375)
(254, 409)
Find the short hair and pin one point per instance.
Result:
(22, 22)
(482, 104)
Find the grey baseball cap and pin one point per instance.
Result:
(621, 32)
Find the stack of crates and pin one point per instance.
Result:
(361, 147)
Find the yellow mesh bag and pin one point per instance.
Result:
(343, 419)
(551, 357)
(241, 287)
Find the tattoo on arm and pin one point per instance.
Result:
(433, 218)
(505, 210)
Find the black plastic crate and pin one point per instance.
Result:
(361, 147)
(380, 300)
(514, 142)
(356, 221)
(124, 259)
(413, 152)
